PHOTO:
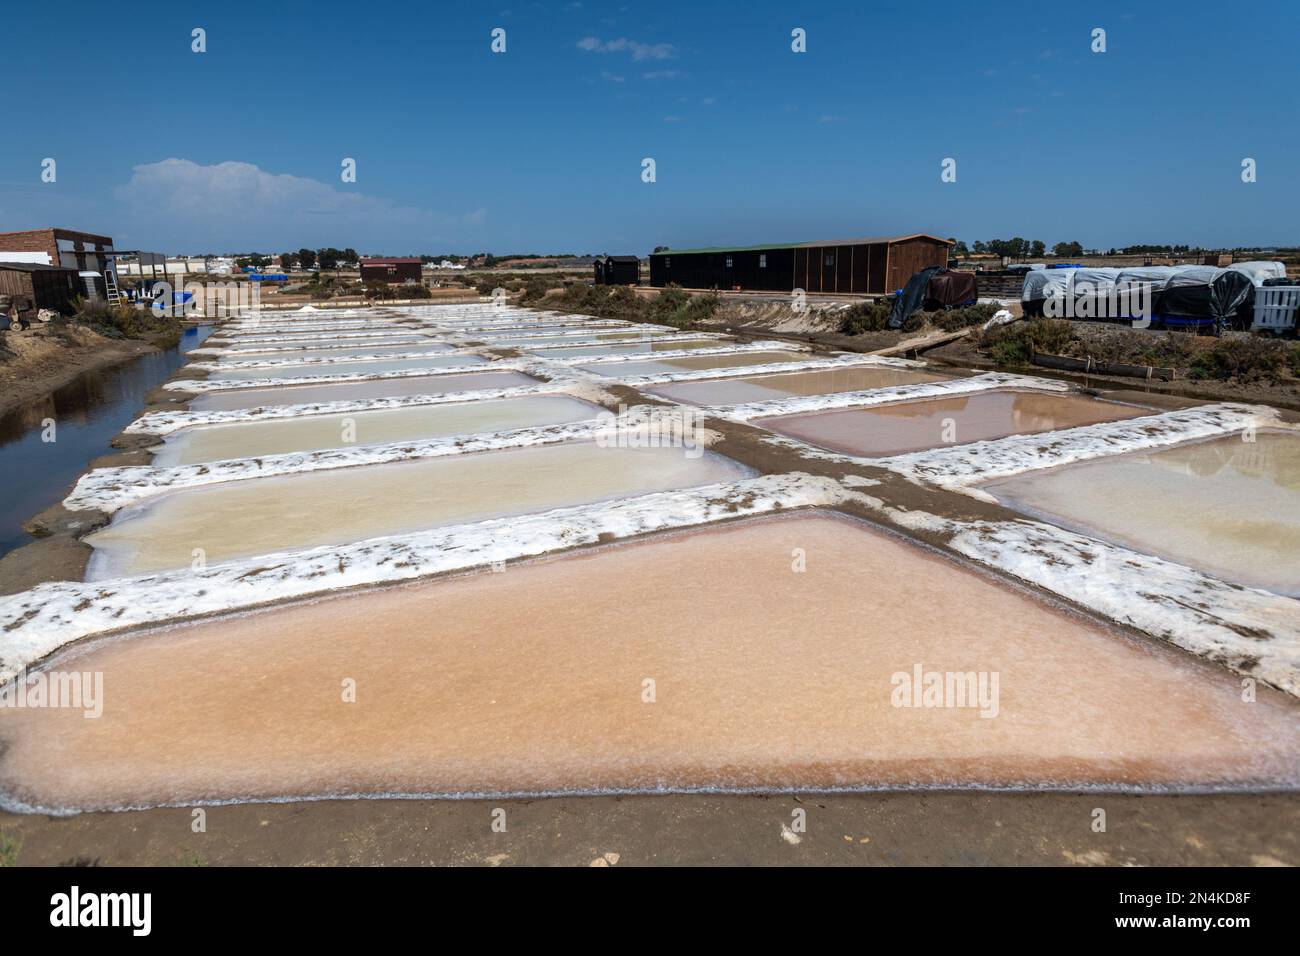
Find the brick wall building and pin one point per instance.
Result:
(65, 248)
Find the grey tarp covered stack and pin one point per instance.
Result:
(1168, 295)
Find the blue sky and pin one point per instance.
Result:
(540, 148)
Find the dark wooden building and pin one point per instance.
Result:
(876, 266)
(91, 255)
(33, 286)
(391, 270)
(617, 270)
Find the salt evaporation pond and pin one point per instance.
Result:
(416, 345)
(316, 432)
(344, 368)
(357, 391)
(658, 345)
(240, 519)
(693, 362)
(521, 340)
(320, 339)
(913, 426)
(1227, 506)
(762, 388)
(328, 344)
(537, 679)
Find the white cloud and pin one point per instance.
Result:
(637, 50)
(242, 204)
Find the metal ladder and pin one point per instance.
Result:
(110, 286)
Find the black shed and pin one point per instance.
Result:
(874, 266)
(618, 270)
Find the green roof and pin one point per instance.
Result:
(775, 245)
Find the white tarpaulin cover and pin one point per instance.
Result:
(1258, 271)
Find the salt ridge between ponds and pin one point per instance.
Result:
(39, 621)
(208, 385)
(327, 361)
(653, 331)
(164, 423)
(958, 468)
(961, 468)
(738, 349)
(111, 489)
(772, 368)
(800, 404)
(702, 337)
(1250, 631)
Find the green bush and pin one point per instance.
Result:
(953, 320)
(1247, 360)
(672, 306)
(535, 288)
(1015, 344)
(681, 310)
(1171, 350)
(669, 303)
(865, 317)
(127, 322)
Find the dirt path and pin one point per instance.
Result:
(864, 829)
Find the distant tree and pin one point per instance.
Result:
(350, 257)
(1066, 249)
(661, 248)
(328, 258)
(981, 247)
(489, 260)
(286, 261)
(959, 249)
(306, 258)
(1037, 248)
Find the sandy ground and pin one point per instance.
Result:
(43, 361)
(864, 829)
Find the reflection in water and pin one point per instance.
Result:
(1229, 507)
(277, 355)
(928, 423)
(532, 680)
(654, 346)
(88, 412)
(313, 432)
(358, 391)
(240, 519)
(691, 363)
(343, 368)
(761, 388)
